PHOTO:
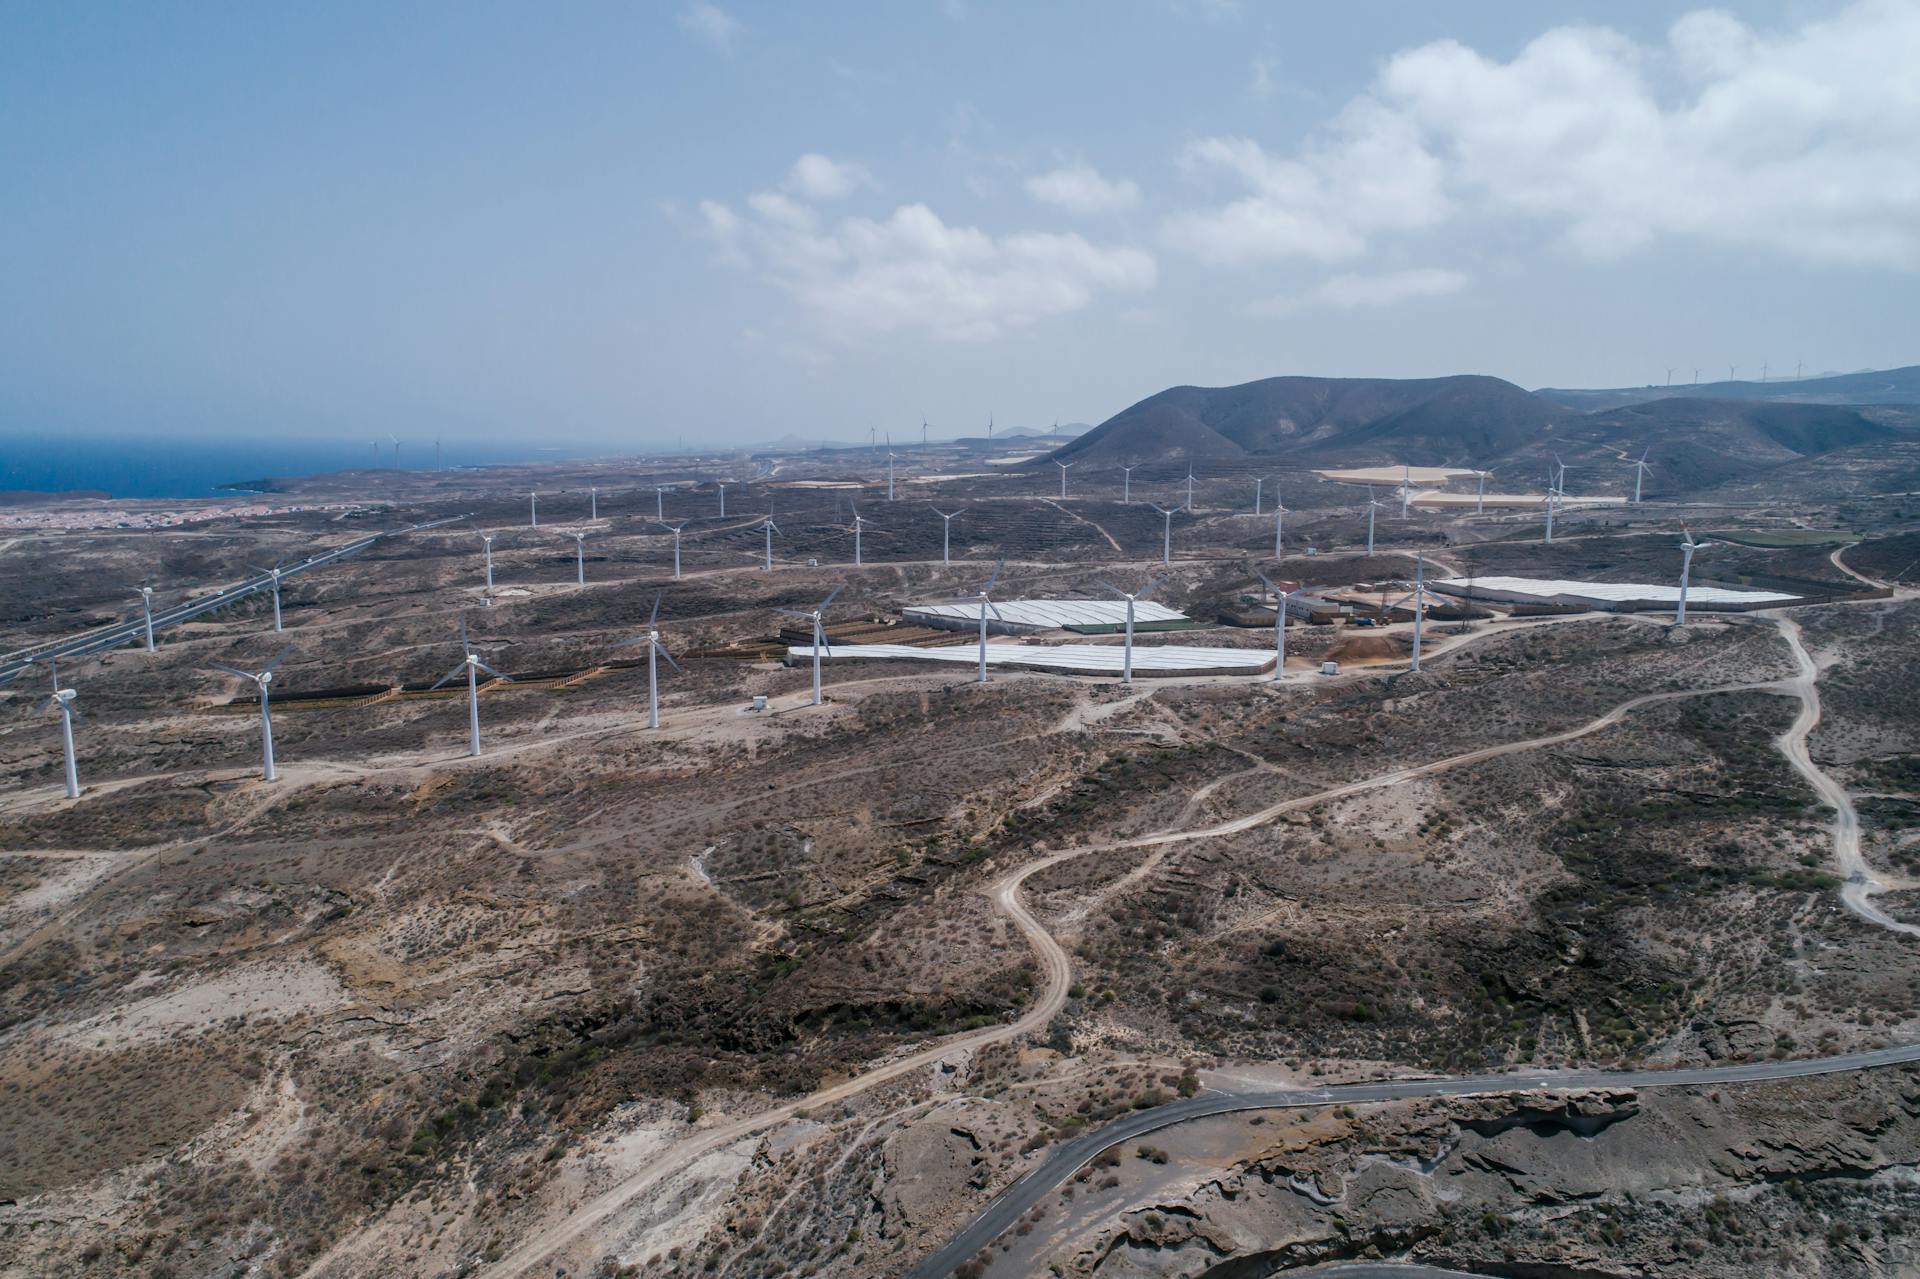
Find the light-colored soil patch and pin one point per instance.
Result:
(273, 990)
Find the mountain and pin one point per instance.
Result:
(1697, 443)
(1886, 386)
(1465, 418)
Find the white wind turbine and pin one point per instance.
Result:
(1258, 480)
(1687, 548)
(62, 700)
(146, 607)
(471, 665)
(1126, 485)
(1189, 489)
(769, 528)
(1553, 498)
(1640, 469)
(486, 540)
(1279, 527)
(655, 649)
(659, 504)
(1406, 488)
(859, 522)
(1421, 598)
(819, 633)
(1166, 534)
(396, 450)
(985, 604)
(1131, 597)
(676, 547)
(1373, 509)
(1280, 599)
(1063, 476)
(579, 558)
(946, 533)
(533, 510)
(593, 502)
(263, 680)
(889, 466)
(273, 576)
(1480, 501)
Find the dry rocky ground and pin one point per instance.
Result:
(403, 1012)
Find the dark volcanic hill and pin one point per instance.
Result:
(1697, 443)
(1885, 386)
(1466, 418)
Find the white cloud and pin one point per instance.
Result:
(1798, 142)
(1080, 188)
(709, 22)
(1351, 291)
(913, 272)
(819, 177)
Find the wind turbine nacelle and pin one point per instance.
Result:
(64, 695)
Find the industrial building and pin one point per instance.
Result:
(1026, 617)
(1062, 659)
(1617, 597)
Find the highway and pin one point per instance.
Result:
(133, 630)
(1065, 1160)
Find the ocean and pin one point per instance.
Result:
(153, 466)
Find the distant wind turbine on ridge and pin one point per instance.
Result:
(946, 533)
(1063, 476)
(1640, 469)
(1166, 535)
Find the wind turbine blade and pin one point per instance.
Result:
(231, 670)
(654, 616)
(670, 662)
(1266, 581)
(45, 702)
(277, 659)
(830, 597)
(456, 671)
(1148, 588)
(496, 674)
(632, 643)
(1102, 582)
(995, 578)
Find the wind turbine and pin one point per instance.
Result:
(1063, 476)
(273, 574)
(579, 558)
(533, 510)
(819, 634)
(1189, 489)
(676, 547)
(923, 430)
(723, 497)
(1279, 527)
(1419, 596)
(1560, 480)
(1730, 371)
(1126, 485)
(1373, 509)
(654, 649)
(989, 428)
(1553, 495)
(659, 504)
(985, 604)
(1257, 481)
(859, 522)
(396, 450)
(1480, 501)
(1669, 377)
(62, 699)
(593, 502)
(1280, 599)
(1406, 488)
(889, 466)
(263, 680)
(1126, 655)
(146, 606)
(946, 533)
(486, 540)
(770, 529)
(1166, 535)
(471, 665)
(1640, 469)
(1687, 548)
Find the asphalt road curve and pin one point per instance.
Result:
(1069, 1157)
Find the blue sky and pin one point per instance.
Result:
(633, 223)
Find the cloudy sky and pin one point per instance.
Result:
(728, 220)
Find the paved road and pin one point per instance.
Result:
(1069, 1158)
(133, 630)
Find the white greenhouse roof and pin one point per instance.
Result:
(1552, 588)
(1042, 613)
(1086, 659)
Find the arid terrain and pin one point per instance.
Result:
(800, 991)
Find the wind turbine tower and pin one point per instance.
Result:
(1280, 599)
(946, 535)
(676, 547)
(1373, 509)
(593, 502)
(486, 539)
(1640, 469)
(1166, 535)
(819, 633)
(889, 466)
(859, 522)
(723, 498)
(1419, 598)
(985, 604)
(263, 680)
(1279, 527)
(1063, 477)
(580, 559)
(273, 581)
(533, 510)
(1687, 548)
(146, 606)
(471, 664)
(770, 528)
(655, 650)
(1126, 485)
(1257, 481)
(1189, 490)
(1126, 655)
(62, 700)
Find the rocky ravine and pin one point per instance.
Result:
(1815, 1176)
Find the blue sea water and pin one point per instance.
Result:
(156, 466)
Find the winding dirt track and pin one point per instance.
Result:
(1057, 971)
